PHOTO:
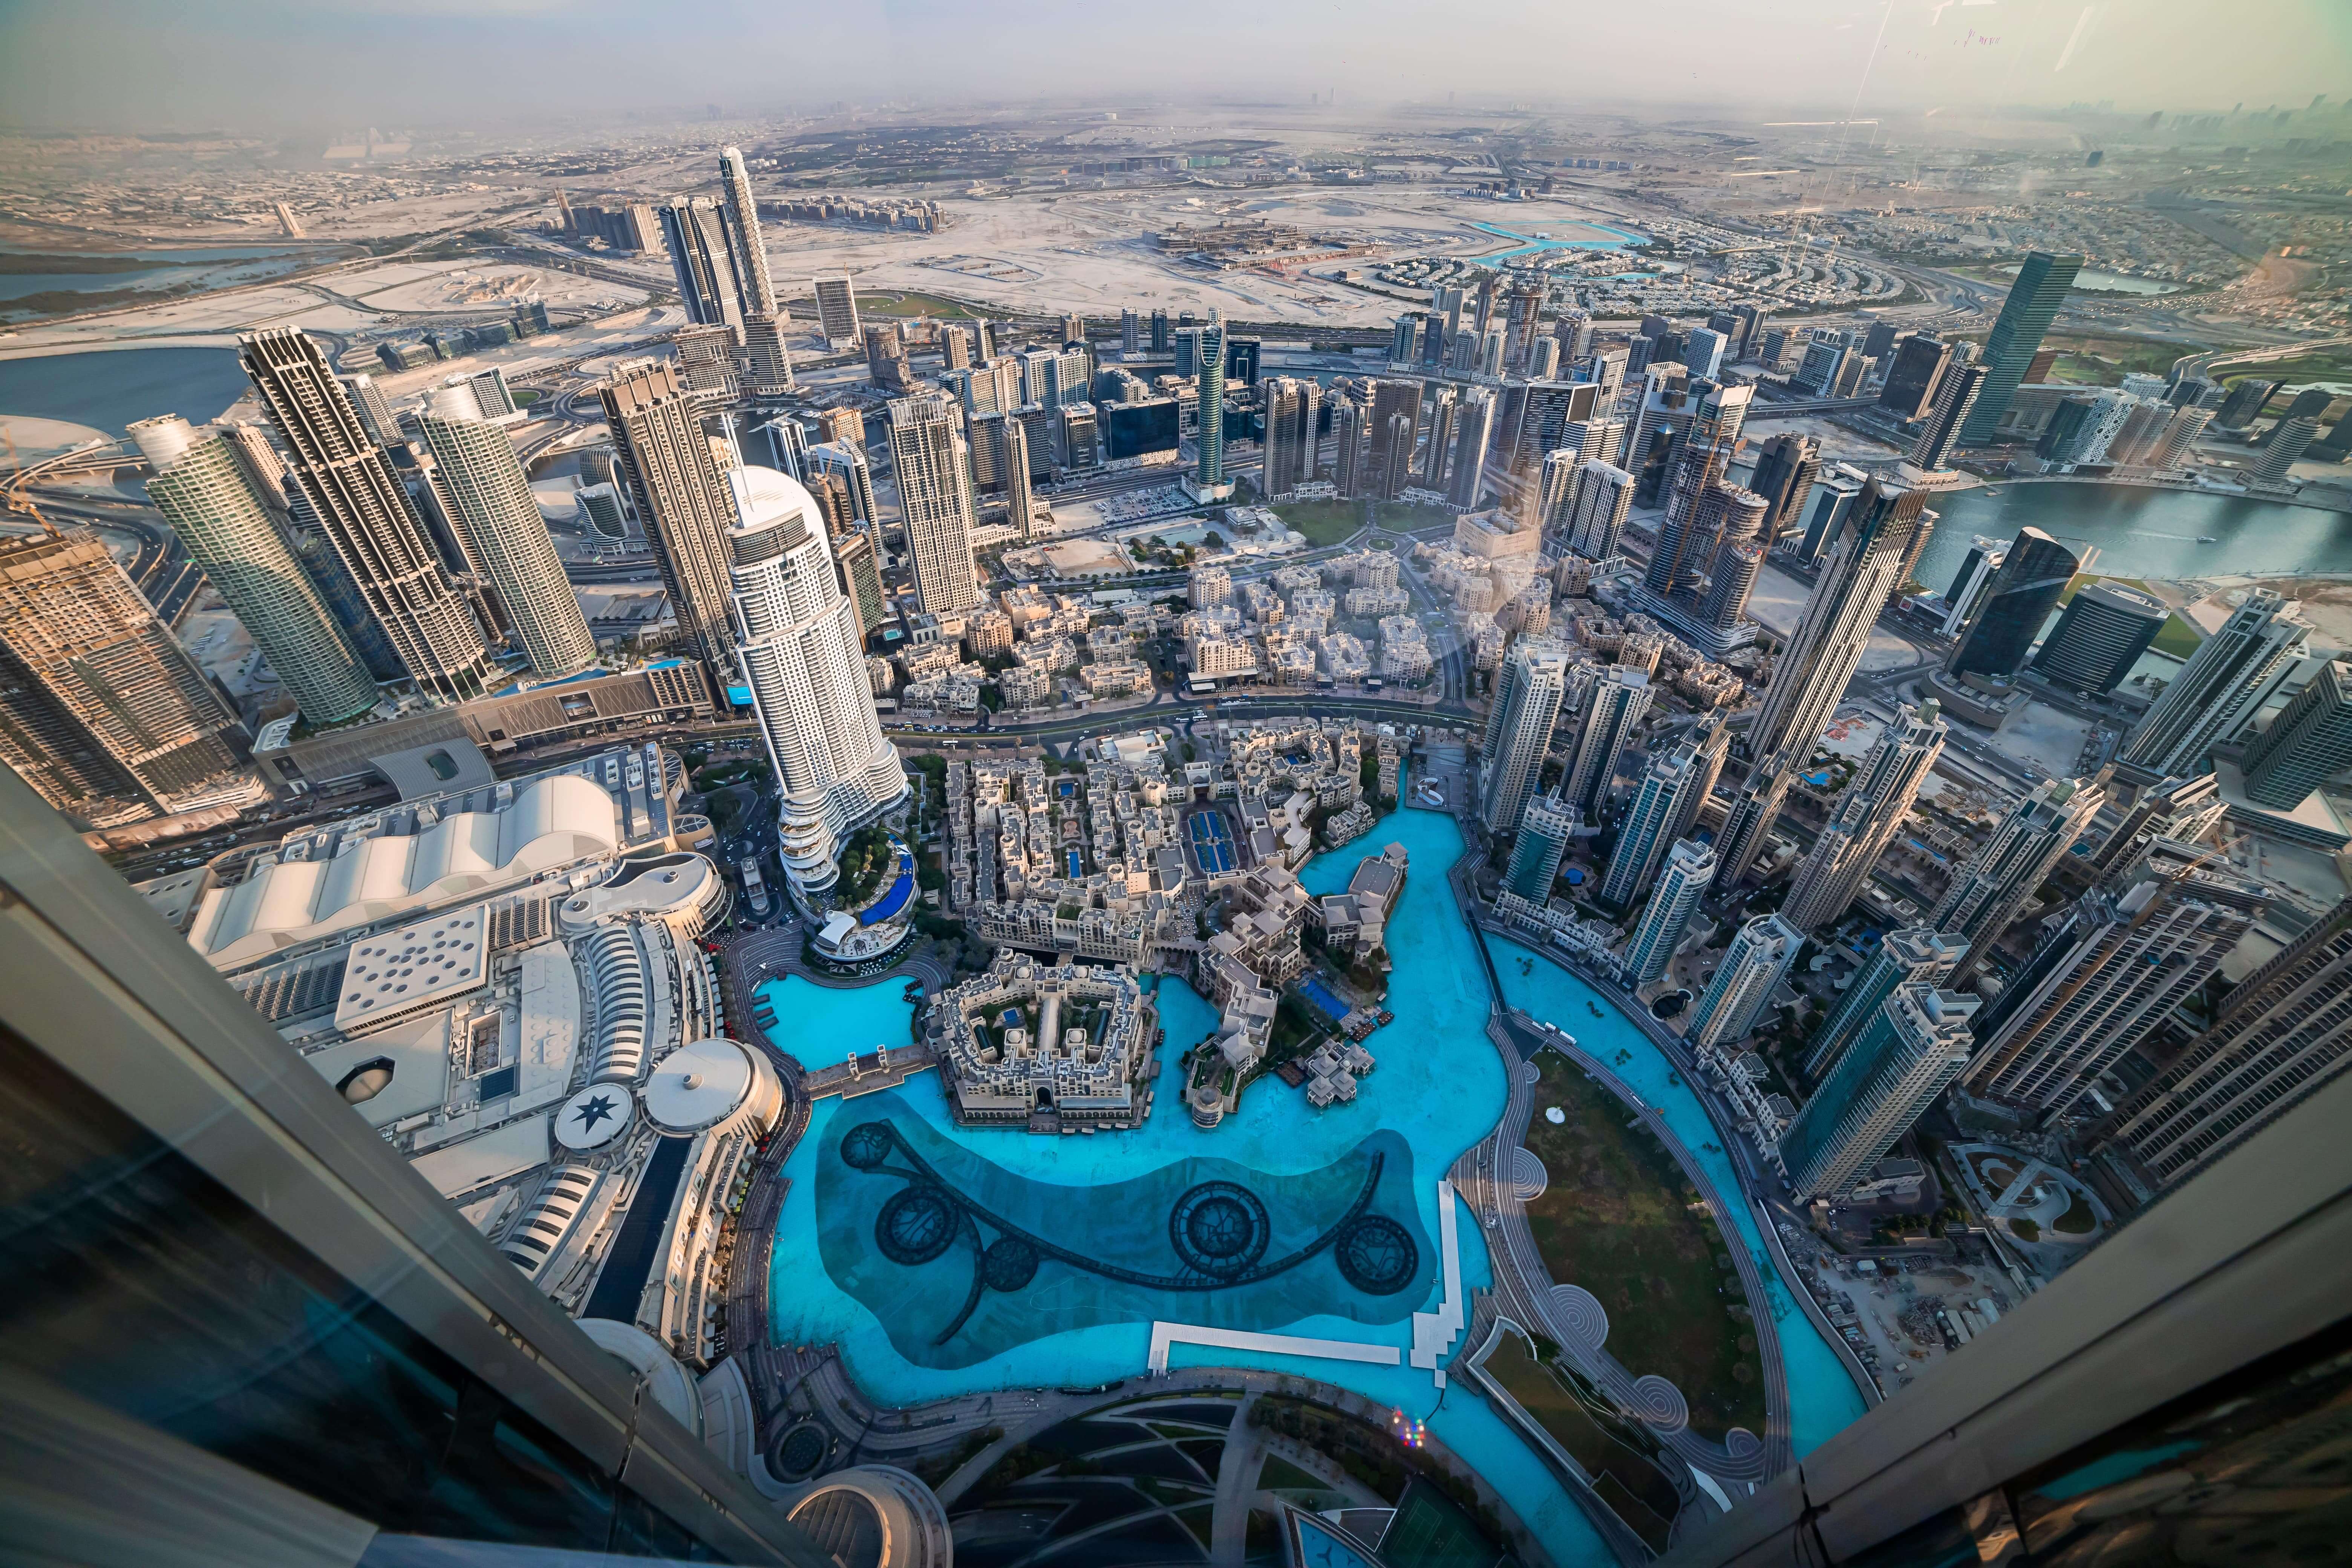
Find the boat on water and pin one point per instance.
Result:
(2207, 539)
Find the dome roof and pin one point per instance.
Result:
(699, 1086)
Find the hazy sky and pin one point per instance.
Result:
(124, 64)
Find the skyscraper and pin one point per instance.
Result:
(1785, 471)
(2100, 634)
(1545, 829)
(754, 287)
(2289, 440)
(1348, 439)
(1652, 820)
(1913, 955)
(1985, 894)
(935, 497)
(1598, 504)
(1703, 354)
(1620, 698)
(1735, 522)
(1441, 438)
(202, 490)
(2015, 603)
(1750, 816)
(1920, 360)
(1867, 817)
(1683, 880)
(1826, 645)
(1759, 957)
(702, 255)
(1474, 435)
(1131, 333)
(101, 711)
(486, 485)
(1209, 474)
(683, 500)
(768, 364)
(2226, 682)
(1910, 1053)
(2182, 808)
(837, 312)
(2282, 1035)
(2109, 973)
(1006, 446)
(1958, 391)
(366, 514)
(797, 638)
(1291, 405)
(1528, 693)
(2246, 400)
(1392, 399)
(2309, 742)
(2032, 304)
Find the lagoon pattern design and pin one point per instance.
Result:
(962, 1260)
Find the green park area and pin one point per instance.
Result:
(1621, 1219)
(1323, 523)
(1412, 517)
(912, 304)
(1616, 1452)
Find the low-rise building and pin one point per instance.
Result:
(1048, 1047)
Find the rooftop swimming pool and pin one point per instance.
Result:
(927, 1237)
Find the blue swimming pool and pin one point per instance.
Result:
(1319, 995)
(1213, 844)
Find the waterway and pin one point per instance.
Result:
(1439, 1084)
(1596, 236)
(169, 268)
(107, 389)
(2143, 532)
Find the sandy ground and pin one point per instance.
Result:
(2044, 738)
(32, 438)
(458, 287)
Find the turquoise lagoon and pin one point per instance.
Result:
(1438, 1088)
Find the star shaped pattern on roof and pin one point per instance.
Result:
(592, 1112)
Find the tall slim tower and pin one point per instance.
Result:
(1910, 1053)
(1545, 829)
(753, 286)
(1291, 405)
(2226, 682)
(1913, 955)
(365, 513)
(1391, 399)
(201, 488)
(1957, 394)
(1757, 958)
(1006, 444)
(1210, 381)
(683, 498)
(1749, 818)
(2014, 606)
(935, 498)
(702, 255)
(2182, 808)
(1620, 698)
(101, 711)
(796, 639)
(2110, 975)
(1867, 817)
(1986, 893)
(837, 312)
(1834, 627)
(486, 485)
(1649, 825)
(1598, 504)
(2281, 1036)
(2306, 744)
(2032, 304)
(1682, 882)
(1527, 695)
(1474, 435)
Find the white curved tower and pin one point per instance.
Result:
(796, 639)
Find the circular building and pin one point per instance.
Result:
(876, 1516)
(594, 1117)
(714, 1086)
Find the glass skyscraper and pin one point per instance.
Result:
(2032, 304)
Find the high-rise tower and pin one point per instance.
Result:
(2280, 1036)
(2309, 742)
(684, 500)
(1913, 955)
(1910, 1052)
(1684, 880)
(202, 489)
(935, 497)
(1759, 957)
(1528, 694)
(1598, 502)
(1209, 474)
(2109, 975)
(1956, 393)
(101, 711)
(1985, 894)
(1866, 818)
(1619, 699)
(2014, 606)
(366, 514)
(837, 312)
(2100, 634)
(1545, 829)
(797, 637)
(1291, 407)
(702, 255)
(1474, 435)
(486, 485)
(1651, 821)
(2226, 682)
(2032, 304)
(754, 287)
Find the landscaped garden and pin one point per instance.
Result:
(1323, 523)
(1621, 1219)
